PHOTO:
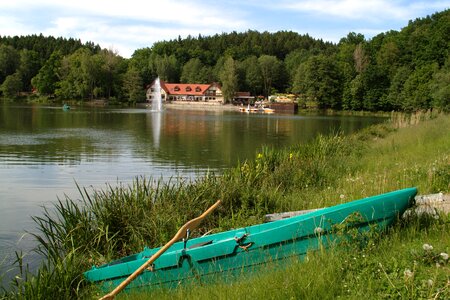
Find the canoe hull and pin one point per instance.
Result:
(237, 250)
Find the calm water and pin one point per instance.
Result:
(45, 150)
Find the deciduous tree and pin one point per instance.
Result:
(228, 78)
(270, 68)
(12, 85)
(133, 86)
(9, 61)
(47, 79)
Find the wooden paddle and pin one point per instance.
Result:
(191, 225)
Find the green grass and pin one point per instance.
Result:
(113, 222)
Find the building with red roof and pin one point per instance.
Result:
(187, 92)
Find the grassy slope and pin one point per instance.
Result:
(413, 156)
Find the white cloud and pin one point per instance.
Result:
(12, 26)
(369, 10)
(348, 9)
(187, 13)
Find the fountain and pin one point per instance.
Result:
(157, 101)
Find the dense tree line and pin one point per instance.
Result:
(396, 70)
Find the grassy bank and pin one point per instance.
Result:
(107, 224)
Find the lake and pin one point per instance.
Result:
(44, 151)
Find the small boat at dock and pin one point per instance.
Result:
(242, 249)
(252, 109)
(268, 110)
(249, 109)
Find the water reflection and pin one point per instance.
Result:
(156, 119)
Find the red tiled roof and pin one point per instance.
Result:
(184, 88)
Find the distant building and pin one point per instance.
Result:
(187, 92)
(243, 98)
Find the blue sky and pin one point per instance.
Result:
(127, 25)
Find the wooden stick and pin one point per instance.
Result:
(191, 225)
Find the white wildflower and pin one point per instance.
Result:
(427, 247)
(430, 282)
(444, 256)
(342, 196)
(318, 230)
(408, 273)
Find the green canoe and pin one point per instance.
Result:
(239, 249)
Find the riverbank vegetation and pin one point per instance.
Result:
(406, 70)
(118, 220)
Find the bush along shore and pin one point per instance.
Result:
(410, 260)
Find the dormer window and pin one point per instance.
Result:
(188, 89)
(198, 89)
(176, 88)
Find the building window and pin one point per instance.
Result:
(188, 89)
(176, 88)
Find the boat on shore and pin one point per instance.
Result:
(248, 109)
(241, 249)
(268, 110)
(252, 109)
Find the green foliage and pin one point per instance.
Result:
(132, 85)
(29, 67)
(394, 96)
(319, 80)
(9, 61)
(45, 46)
(271, 71)
(228, 79)
(142, 61)
(47, 79)
(251, 79)
(195, 72)
(76, 74)
(416, 90)
(167, 67)
(12, 85)
(440, 87)
(111, 67)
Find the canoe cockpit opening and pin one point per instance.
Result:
(200, 244)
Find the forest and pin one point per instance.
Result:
(406, 70)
